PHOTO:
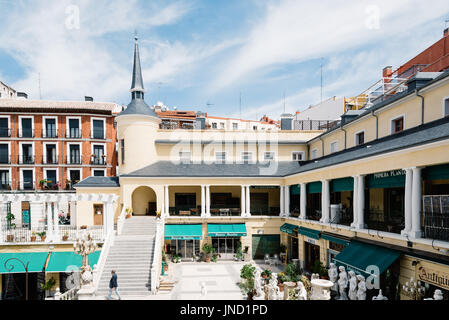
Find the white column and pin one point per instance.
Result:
(56, 220)
(242, 200)
(325, 201)
(361, 203)
(109, 214)
(49, 230)
(355, 201)
(287, 201)
(416, 204)
(37, 211)
(208, 200)
(248, 201)
(167, 201)
(2, 218)
(105, 218)
(408, 201)
(282, 213)
(203, 201)
(303, 201)
(72, 205)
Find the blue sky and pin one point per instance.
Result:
(194, 52)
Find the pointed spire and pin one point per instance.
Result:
(137, 82)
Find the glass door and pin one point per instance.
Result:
(74, 128)
(50, 128)
(189, 249)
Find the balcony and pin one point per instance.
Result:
(73, 133)
(5, 133)
(98, 161)
(50, 160)
(49, 185)
(25, 133)
(50, 133)
(74, 159)
(5, 186)
(26, 185)
(313, 214)
(325, 125)
(25, 159)
(98, 134)
(380, 220)
(185, 211)
(436, 226)
(270, 211)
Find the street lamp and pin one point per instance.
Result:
(25, 266)
(85, 246)
(414, 290)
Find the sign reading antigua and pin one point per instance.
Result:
(434, 277)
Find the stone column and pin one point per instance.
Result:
(167, 201)
(208, 200)
(105, 218)
(2, 221)
(242, 201)
(282, 207)
(56, 220)
(203, 201)
(287, 201)
(72, 205)
(109, 213)
(325, 201)
(408, 201)
(248, 201)
(37, 213)
(361, 203)
(48, 208)
(416, 231)
(355, 202)
(303, 201)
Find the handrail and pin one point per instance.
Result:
(121, 220)
(156, 266)
(69, 295)
(98, 269)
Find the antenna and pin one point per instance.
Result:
(208, 104)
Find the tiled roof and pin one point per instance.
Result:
(45, 104)
(103, 182)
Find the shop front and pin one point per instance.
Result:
(335, 246)
(311, 246)
(341, 195)
(226, 238)
(292, 240)
(183, 239)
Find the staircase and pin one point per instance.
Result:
(131, 257)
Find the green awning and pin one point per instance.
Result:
(226, 230)
(69, 261)
(36, 262)
(334, 239)
(440, 172)
(183, 231)
(388, 179)
(295, 189)
(314, 187)
(288, 228)
(358, 256)
(343, 184)
(314, 234)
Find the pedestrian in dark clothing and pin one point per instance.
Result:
(113, 285)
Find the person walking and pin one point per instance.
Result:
(113, 285)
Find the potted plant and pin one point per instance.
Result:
(42, 235)
(164, 259)
(129, 213)
(49, 285)
(10, 236)
(65, 237)
(247, 285)
(281, 279)
(43, 183)
(83, 227)
(214, 257)
(239, 254)
(293, 272)
(176, 258)
(158, 214)
(208, 250)
(33, 236)
(266, 274)
(10, 225)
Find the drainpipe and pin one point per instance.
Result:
(322, 147)
(341, 127)
(377, 124)
(422, 105)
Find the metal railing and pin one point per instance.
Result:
(315, 124)
(26, 185)
(25, 159)
(50, 133)
(436, 225)
(74, 159)
(5, 132)
(73, 133)
(50, 160)
(5, 185)
(25, 133)
(71, 233)
(99, 161)
(381, 220)
(313, 214)
(5, 159)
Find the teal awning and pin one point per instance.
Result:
(69, 261)
(388, 179)
(314, 234)
(334, 239)
(314, 187)
(440, 172)
(227, 230)
(343, 184)
(358, 256)
(36, 262)
(183, 231)
(295, 189)
(288, 228)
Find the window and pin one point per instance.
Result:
(98, 129)
(214, 125)
(122, 150)
(27, 180)
(50, 130)
(4, 153)
(74, 154)
(235, 126)
(99, 156)
(360, 138)
(222, 126)
(75, 176)
(220, 157)
(397, 125)
(314, 154)
(268, 155)
(4, 180)
(4, 127)
(99, 173)
(247, 157)
(185, 156)
(51, 156)
(254, 127)
(334, 146)
(51, 177)
(27, 154)
(74, 130)
(297, 155)
(446, 107)
(26, 128)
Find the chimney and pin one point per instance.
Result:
(446, 32)
(287, 121)
(22, 95)
(387, 72)
(200, 123)
(90, 99)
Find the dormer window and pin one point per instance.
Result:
(446, 107)
(185, 156)
(397, 125)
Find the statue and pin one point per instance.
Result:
(380, 296)
(307, 285)
(257, 284)
(84, 247)
(361, 292)
(333, 276)
(273, 289)
(352, 285)
(438, 295)
(343, 283)
(314, 276)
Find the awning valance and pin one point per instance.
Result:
(183, 231)
(358, 256)
(69, 261)
(288, 228)
(335, 239)
(314, 187)
(295, 189)
(343, 184)
(35, 260)
(226, 230)
(314, 234)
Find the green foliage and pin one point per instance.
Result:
(41, 234)
(267, 273)
(176, 258)
(214, 257)
(293, 272)
(208, 249)
(247, 287)
(319, 268)
(247, 271)
(239, 254)
(282, 277)
(9, 219)
(49, 284)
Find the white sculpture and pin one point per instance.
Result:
(257, 285)
(380, 296)
(352, 293)
(438, 295)
(314, 276)
(321, 289)
(343, 283)
(302, 292)
(273, 289)
(333, 276)
(361, 292)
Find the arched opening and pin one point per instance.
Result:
(144, 201)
